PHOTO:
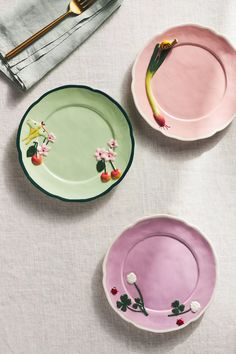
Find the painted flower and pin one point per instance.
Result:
(195, 306)
(43, 149)
(180, 322)
(112, 143)
(131, 278)
(51, 137)
(110, 155)
(100, 154)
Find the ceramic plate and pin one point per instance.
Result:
(195, 88)
(75, 143)
(160, 274)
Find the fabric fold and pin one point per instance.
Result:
(33, 63)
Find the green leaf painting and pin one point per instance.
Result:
(100, 166)
(32, 150)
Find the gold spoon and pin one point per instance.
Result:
(76, 7)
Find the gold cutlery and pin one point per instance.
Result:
(76, 7)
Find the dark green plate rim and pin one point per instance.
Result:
(131, 137)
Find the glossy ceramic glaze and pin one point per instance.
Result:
(172, 261)
(195, 88)
(82, 119)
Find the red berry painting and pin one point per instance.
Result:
(106, 157)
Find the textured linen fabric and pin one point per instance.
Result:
(27, 18)
(51, 296)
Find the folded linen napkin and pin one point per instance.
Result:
(28, 17)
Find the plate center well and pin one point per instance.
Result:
(166, 271)
(190, 83)
(79, 131)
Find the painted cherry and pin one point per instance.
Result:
(114, 291)
(115, 174)
(105, 177)
(36, 159)
(180, 322)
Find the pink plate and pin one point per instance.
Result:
(195, 88)
(160, 274)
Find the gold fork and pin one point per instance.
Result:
(76, 7)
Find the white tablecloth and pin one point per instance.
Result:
(51, 297)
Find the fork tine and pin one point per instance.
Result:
(85, 4)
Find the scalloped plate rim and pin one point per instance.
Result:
(201, 313)
(132, 139)
(144, 116)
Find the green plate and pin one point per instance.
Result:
(59, 136)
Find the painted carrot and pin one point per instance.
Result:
(159, 55)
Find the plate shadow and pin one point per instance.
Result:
(169, 147)
(135, 338)
(33, 200)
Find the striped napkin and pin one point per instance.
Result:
(28, 17)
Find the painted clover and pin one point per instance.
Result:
(36, 151)
(125, 303)
(104, 157)
(179, 309)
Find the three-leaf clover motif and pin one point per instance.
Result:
(177, 307)
(137, 304)
(124, 303)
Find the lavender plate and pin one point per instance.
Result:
(160, 274)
